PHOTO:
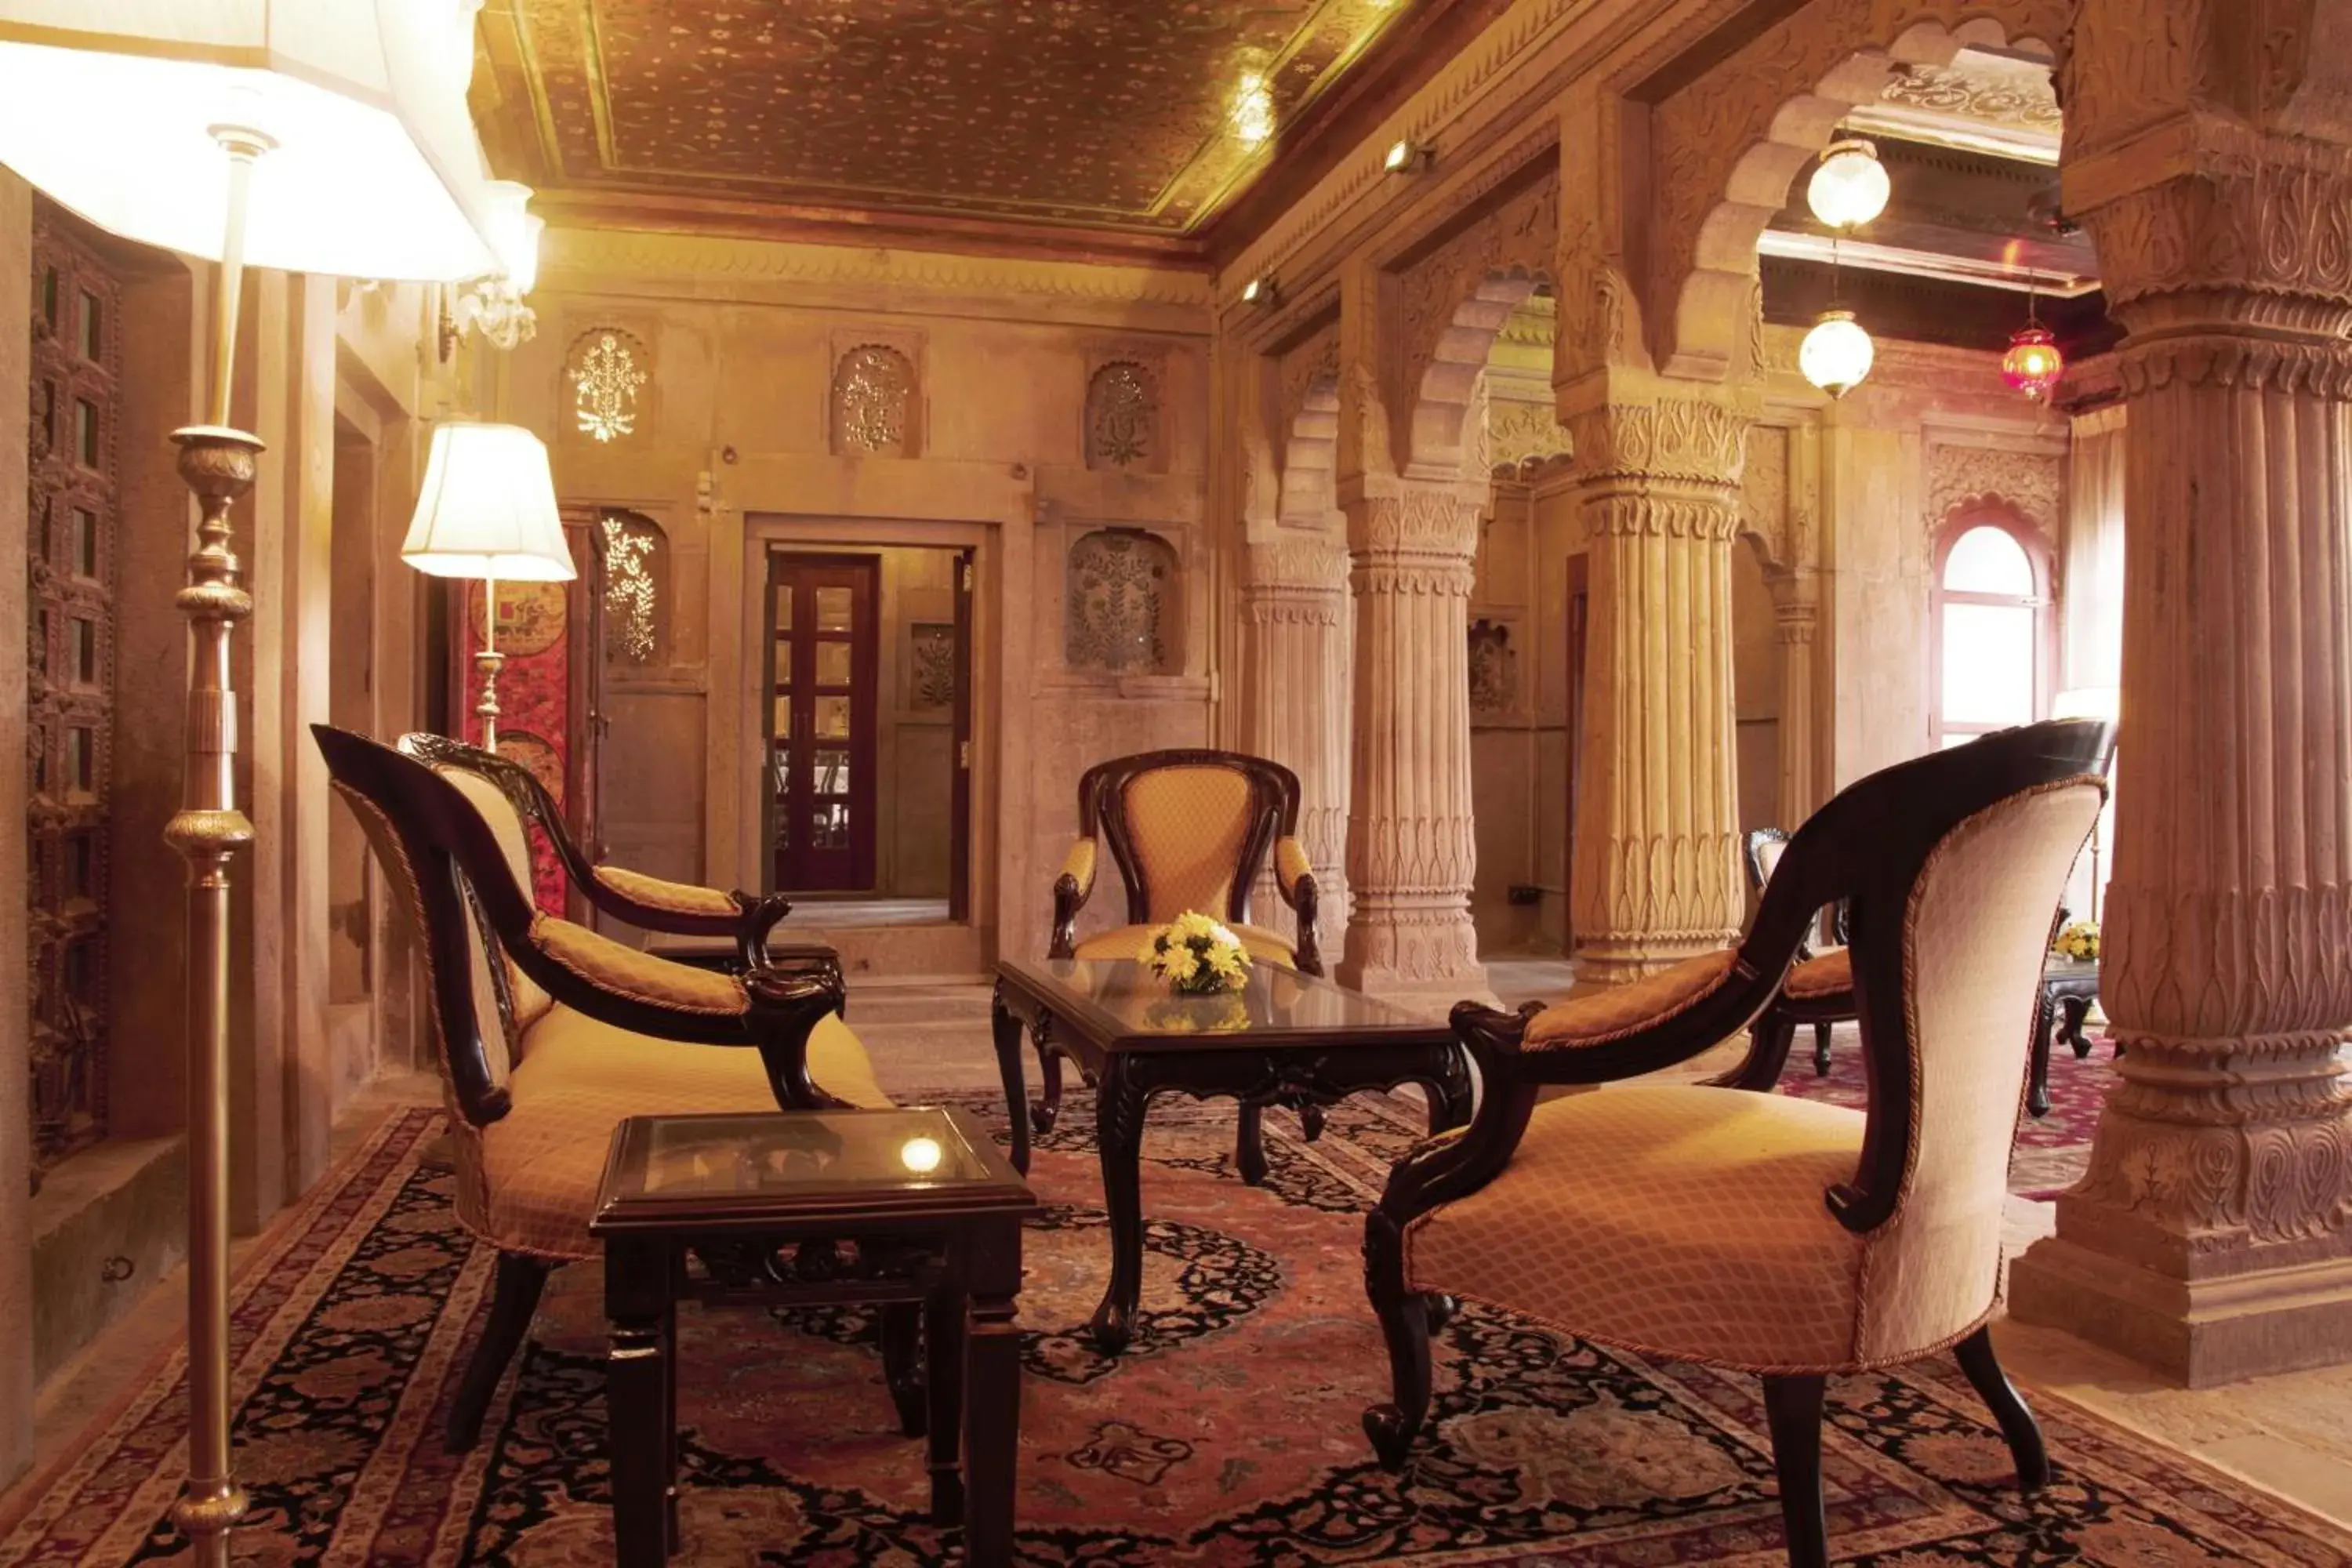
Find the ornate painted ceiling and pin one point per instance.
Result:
(1113, 121)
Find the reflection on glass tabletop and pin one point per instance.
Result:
(808, 1151)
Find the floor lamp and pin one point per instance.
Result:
(488, 510)
(332, 137)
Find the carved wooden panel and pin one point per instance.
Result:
(1123, 407)
(70, 691)
(636, 587)
(1123, 604)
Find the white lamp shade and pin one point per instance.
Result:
(1850, 187)
(109, 107)
(488, 508)
(1837, 353)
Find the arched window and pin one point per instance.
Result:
(1990, 626)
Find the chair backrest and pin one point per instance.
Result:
(1761, 850)
(1188, 829)
(1952, 864)
(471, 985)
(510, 803)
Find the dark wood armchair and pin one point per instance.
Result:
(1819, 988)
(498, 786)
(548, 1034)
(1757, 1231)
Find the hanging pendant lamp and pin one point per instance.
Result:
(2033, 365)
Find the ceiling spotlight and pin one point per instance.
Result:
(1851, 186)
(1407, 157)
(1836, 355)
(1258, 292)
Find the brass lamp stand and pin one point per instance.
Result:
(216, 462)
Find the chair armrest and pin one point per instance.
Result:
(1294, 877)
(1071, 891)
(768, 1008)
(683, 909)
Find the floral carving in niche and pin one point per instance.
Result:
(2026, 480)
(931, 678)
(873, 402)
(1521, 437)
(1494, 667)
(634, 560)
(1122, 592)
(606, 368)
(1122, 416)
(1764, 491)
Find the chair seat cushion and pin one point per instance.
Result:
(541, 1162)
(1126, 941)
(1826, 974)
(1671, 1219)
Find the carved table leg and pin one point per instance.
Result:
(2037, 1089)
(637, 1303)
(943, 1354)
(1822, 1062)
(991, 1407)
(1048, 1109)
(2073, 1010)
(898, 1327)
(1005, 1029)
(1249, 1147)
(1118, 1133)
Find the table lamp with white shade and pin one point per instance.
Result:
(326, 137)
(488, 510)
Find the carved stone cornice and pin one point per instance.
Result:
(2321, 368)
(1431, 524)
(1295, 577)
(1689, 440)
(1707, 518)
(2255, 216)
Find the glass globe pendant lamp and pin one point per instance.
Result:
(1849, 186)
(1837, 353)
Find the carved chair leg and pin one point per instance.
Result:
(1310, 1120)
(2016, 1422)
(514, 1298)
(1404, 1324)
(899, 1328)
(1822, 1050)
(1792, 1407)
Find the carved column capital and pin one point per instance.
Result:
(1671, 441)
(1794, 621)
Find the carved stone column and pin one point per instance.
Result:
(2209, 1237)
(1795, 614)
(1295, 607)
(1655, 873)
(1412, 846)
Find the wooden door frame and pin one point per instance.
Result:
(1577, 623)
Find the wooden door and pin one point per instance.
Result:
(822, 720)
(960, 790)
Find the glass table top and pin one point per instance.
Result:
(797, 1154)
(1120, 998)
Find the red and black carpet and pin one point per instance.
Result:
(1227, 1436)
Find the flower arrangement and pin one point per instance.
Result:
(1196, 956)
(2079, 941)
(1214, 1015)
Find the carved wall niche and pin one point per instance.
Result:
(1127, 409)
(1123, 604)
(1494, 669)
(1524, 438)
(608, 375)
(875, 405)
(930, 667)
(1764, 495)
(636, 589)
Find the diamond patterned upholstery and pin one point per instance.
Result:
(1824, 974)
(1187, 827)
(1623, 1010)
(677, 898)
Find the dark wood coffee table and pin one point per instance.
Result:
(1285, 1038)
(936, 1213)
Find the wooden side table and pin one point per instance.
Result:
(2069, 987)
(936, 1213)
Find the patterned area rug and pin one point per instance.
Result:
(1227, 1436)
(2051, 1150)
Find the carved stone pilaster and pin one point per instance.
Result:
(1412, 846)
(1795, 615)
(1655, 874)
(1295, 605)
(2212, 1234)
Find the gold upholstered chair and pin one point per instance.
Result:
(548, 1034)
(1189, 830)
(1759, 1231)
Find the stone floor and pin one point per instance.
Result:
(2291, 1434)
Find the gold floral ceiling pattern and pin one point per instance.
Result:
(1110, 115)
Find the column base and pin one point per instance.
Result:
(2197, 1332)
(1605, 963)
(1421, 965)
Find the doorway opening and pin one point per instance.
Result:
(868, 728)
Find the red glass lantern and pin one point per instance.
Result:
(2033, 365)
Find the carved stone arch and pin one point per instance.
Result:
(1310, 453)
(1437, 436)
(1727, 147)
